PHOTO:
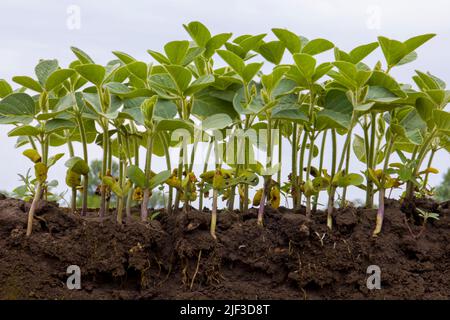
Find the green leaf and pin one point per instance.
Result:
(413, 136)
(124, 57)
(381, 95)
(415, 42)
(272, 51)
(429, 81)
(181, 76)
(52, 160)
(174, 124)
(360, 52)
(208, 102)
(199, 84)
(198, 32)
(250, 71)
(317, 46)
(217, 121)
(5, 88)
(164, 85)
(78, 165)
(288, 108)
(322, 70)
(290, 39)
(158, 57)
(147, 108)
(44, 69)
(410, 57)
(351, 179)
(17, 108)
(425, 109)
(191, 55)
(394, 51)
(137, 176)
(306, 64)
(249, 42)
(94, 73)
(233, 60)
(158, 179)
(364, 107)
(82, 56)
(57, 78)
(113, 185)
(242, 106)
(337, 110)
(25, 130)
(216, 43)
(138, 69)
(58, 124)
(32, 154)
(359, 148)
(118, 88)
(381, 79)
(176, 51)
(441, 119)
(165, 109)
(28, 83)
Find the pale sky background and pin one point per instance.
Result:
(31, 30)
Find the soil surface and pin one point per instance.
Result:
(174, 256)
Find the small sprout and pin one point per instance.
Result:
(427, 215)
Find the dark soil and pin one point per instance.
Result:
(174, 256)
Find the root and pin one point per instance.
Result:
(415, 236)
(196, 269)
(184, 272)
(144, 279)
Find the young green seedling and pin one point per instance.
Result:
(140, 179)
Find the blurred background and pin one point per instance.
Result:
(33, 30)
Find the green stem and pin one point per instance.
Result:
(34, 204)
(215, 194)
(121, 198)
(380, 213)
(322, 154)
(368, 158)
(294, 181)
(420, 157)
(430, 160)
(205, 168)
(33, 144)
(347, 165)
(85, 157)
(148, 166)
(214, 214)
(301, 164)
(109, 169)
(180, 177)
(308, 172)
(73, 200)
(280, 153)
(331, 189)
(267, 178)
(104, 168)
(169, 167)
(246, 163)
